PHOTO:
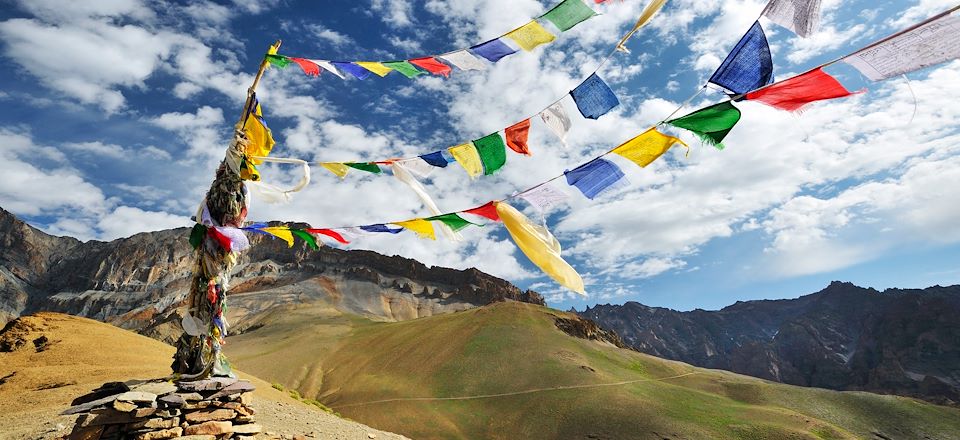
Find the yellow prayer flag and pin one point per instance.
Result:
(530, 35)
(280, 232)
(540, 246)
(468, 157)
(645, 16)
(374, 67)
(259, 136)
(647, 147)
(336, 168)
(422, 227)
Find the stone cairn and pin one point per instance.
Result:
(216, 408)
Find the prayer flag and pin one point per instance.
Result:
(749, 66)
(517, 135)
(258, 134)
(593, 177)
(530, 36)
(556, 118)
(431, 65)
(278, 60)
(353, 69)
(326, 65)
(305, 236)
(464, 60)
(417, 166)
(794, 93)
(594, 97)
(374, 67)
(402, 174)
(280, 232)
(568, 14)
(422, 227)
(329, 233)
(309, 67)
(540, 246)
(652, 8)
(647, 147)
(493, 50)
(405, 68)
(197, 234)
(543, 197)
(436, 159)
(238, 240)
(336, 168)
(931, 43)
(487, 210)
(248, 171)
(468, 157)
(453, 221)
(222, 240)
(711, 124)
(800, 16)
(365, 166)
(492, 152)
(380, 227)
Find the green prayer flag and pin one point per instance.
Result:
(568, 13)
(365, 166)
(711, 124)
(278, 60)
(196, 235)
(404, 67)
(454, 221)
(307, 237)
(492, 151)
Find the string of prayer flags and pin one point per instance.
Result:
(794, 93)
(594, 97)
(568, 14)
(353, 69)
(800, 16)
(594, 177)
(540, 246)
(711, 124)
(258, 135)
(402, 173)
(405, 68)
(557, 120)
(430, 64)
(329, 233)
(307, 237)
(492, 152)
(375, 67)
(380, 227)
(647, 147)
(530, 36)
(463, 60)
(493, 50)
(928, 44)
(468, 157)
(422, 227)
(452, 220)
(280, 232)
(436, 159)
(517, 135)
(339, 169)
(365, 166)
(652, 8)
(487, 210)
(749, 66)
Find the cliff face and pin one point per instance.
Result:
(137, 282)
(844, 337)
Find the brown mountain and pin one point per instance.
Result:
(137, 282)
(845, 337)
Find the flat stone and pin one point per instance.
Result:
(239, 387)
(197, 405)
(163, 434)
(246, 398)
(158, 388)
(84, 407)
(246, 411)
(211, 428)
(205, 416)
(156, 423)
(174, 400)
(191, 397)
(198, 437)
(249, 428)
(106, 390)
(243, 419)
(106, 416)
(212, 384)
(137, 396)
(124, 406)
(230, 405)
(146, 412)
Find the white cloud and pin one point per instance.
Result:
(125, 221)
(396, 13)
(203, 131)
(331, 36)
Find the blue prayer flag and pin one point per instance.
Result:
(749, 66)
(593, 177)
(594, 97)
(493, 50)
(355, 70)
(436, 159)
(380, 227)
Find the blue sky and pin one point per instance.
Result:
(118, 112)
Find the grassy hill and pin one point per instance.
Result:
(514, 357)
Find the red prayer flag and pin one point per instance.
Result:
(794, 93)
(517, 137)
(221, 239)
(329, 233)
(309, 67)
(488, 210)
(431, 65)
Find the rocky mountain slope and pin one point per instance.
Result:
(898, 341)
(137, 282)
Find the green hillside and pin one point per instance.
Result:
(352, 365)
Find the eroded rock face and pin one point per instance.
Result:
(137, 282)
(844, 337)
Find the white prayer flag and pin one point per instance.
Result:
(544, 197)
(800, 16)
(418, 167)
(403, 174)
(926, 45)
(326, 65)
(464, 60)
(556, 118)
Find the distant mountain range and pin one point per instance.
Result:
(845, 337)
